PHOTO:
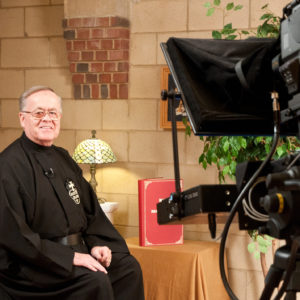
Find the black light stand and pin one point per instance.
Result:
(173, 96)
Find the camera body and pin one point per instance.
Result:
(290, 48)
(290, 34)
(281, 203)
(275, 194)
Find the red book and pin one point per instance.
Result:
(151, 191)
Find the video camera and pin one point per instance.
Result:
(281, 182)
(225, 87)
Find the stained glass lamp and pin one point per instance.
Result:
(93, 151)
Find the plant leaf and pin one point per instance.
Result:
(225, 170)
(228, 26)
(217, 2)
(233, 167)
(280, 150)
(188, 130)
(231, 37)
(257, 255)
(216, 35)
(266, 16)
(252, 234)
(258, 140)
(221, 177)
(206, 147)
(210, 11)
(251, 247)
(201, 158)
(260, 240)
(237, 7)
(226, 146)
(266, 29)
(268, 243)
(207, 4)
(269, 238)
(229, 6)
(222, 161)
(228, 31)
(263, 249)
(243, 143)
(214, 158)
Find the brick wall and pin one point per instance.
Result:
(98, 52)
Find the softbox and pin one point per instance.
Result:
(226, 85)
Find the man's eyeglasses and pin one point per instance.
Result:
(40, 114)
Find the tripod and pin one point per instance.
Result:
(276, 272)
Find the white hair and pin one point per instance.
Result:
(32, 90)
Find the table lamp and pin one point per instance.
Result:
(94, 151)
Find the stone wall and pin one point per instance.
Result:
(33, 51)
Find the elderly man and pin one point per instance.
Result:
(55, 244)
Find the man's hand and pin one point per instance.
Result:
(102, 254)
(88, 261)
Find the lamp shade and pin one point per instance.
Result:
(94, 151)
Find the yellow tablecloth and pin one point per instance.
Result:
(180, 272)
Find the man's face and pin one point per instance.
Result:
(41, 131)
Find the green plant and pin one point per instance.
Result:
(227, 151)
(259, 244)
(227, 32)
(269, 27)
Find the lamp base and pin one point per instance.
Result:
(109, 208)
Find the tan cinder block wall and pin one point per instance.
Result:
(33, 52)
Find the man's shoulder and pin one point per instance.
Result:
(12, 158)
(11, 150)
